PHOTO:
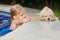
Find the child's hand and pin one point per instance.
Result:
(13, 25)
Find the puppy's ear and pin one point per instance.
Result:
(53, 18)
(42, 18)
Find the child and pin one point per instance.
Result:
(19, 16)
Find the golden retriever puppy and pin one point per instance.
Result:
(47, 15)
(19, 16)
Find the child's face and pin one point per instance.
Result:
(21, 16)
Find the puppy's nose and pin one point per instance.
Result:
(48, 18)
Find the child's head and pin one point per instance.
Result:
(18, 16)
(18, 13)
(16, 10)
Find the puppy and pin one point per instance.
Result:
(47, 15)
(19, 16)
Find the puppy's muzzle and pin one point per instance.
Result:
(48, 19)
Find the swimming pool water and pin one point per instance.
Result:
(5, 22)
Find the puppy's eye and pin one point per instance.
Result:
(52, 17)
(42, 16)
(45, 16)
(49, 15)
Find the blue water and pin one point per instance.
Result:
(5, 22)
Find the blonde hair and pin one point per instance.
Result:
(14, 8)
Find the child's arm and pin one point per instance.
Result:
(13, 25)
